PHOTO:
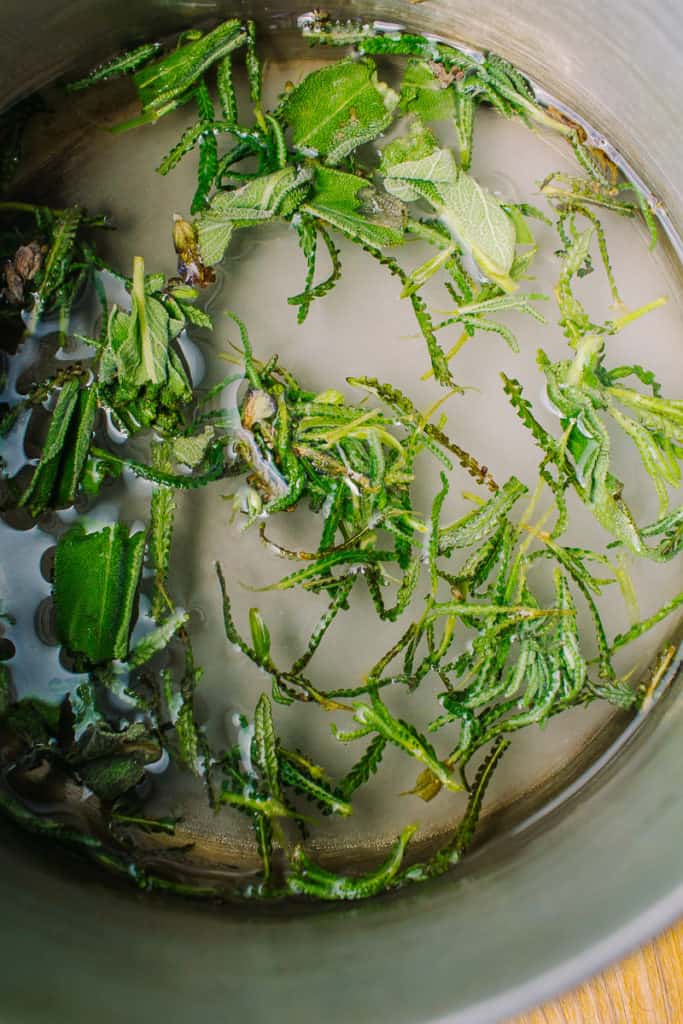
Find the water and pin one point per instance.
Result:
(362, 327)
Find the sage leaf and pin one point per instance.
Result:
(264, 747)
(479, 525)
(121, 65)
(309, 879)
(329, 801)
(418, 169)
(425, 95)
(353, 206)
(96, 579)
(364, 768)
(338, 108)
(260, 637)
(137, 351)
(140, 375)
(270, 807)
(191, 450)
(376, 716)
(259, 200)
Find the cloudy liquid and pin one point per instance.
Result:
(361, 328)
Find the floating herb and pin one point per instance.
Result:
(494, 641)
(53, 263)
(582, 390)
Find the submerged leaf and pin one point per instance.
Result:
(350, 204)
(259, 200)
(338, 108)
(65, 451)
(5, 690)
(264, 747)
(110, 762)
(141, 376)
(158, 639)
(415, 168)
(117, 66)
(310, 880)
(481, 523)
(301, 780)
(190, 451)
(167, 79)
(260, 637)
(96, 579)
(377, 717)
(364, 768)
(425, 93)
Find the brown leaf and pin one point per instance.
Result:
(14, 285)
(23, 267)
(258, 406)
(28, 260)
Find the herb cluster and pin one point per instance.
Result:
(353, 463)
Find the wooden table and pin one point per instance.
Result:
(645, 989)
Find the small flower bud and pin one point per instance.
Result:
(184, 237)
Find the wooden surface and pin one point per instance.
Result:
(645, 989)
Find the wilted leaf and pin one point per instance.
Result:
(111, 763)
(427, 786)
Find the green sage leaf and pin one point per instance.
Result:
(96, 579)
(338, 108)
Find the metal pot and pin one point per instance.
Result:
(529, 915)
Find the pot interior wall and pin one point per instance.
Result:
(534, 912)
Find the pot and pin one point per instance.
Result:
(593, 874)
